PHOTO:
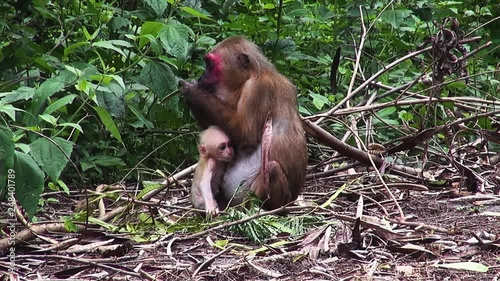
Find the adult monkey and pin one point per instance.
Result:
(242, 93)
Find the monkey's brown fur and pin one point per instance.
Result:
(238, 92)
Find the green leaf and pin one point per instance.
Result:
(50, 157)
(47, 89)
(159, 78)
(196, 13)
(108, 45)
(6, 156)
(73, 125)
(469, 13)
(9, 110)
(59, 103)
(108, 122)
(158, 6)
(106, 161)
(29, 182)
(458, 85)
(484, 123)
(22, 93)
(395, 17)
(386, 111)
(48, 118)
(405, 116)
(149, 28)
(71, 48)
(319, 100)
(174, 38)
(470, 266)
(140, 116)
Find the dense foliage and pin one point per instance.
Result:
(88, 89)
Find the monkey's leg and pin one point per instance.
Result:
(216, 184)
(267, 137)
(271, 185)
(276, 193)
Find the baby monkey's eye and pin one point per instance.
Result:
(222, 146)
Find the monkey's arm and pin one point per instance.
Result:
(211, 207)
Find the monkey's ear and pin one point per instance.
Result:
(202, 149)
(244, 61)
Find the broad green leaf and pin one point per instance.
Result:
(73, 125)
(469, 13)
(119, 22)
(68, 50)
(119, 79)
(470, 266)
(106, 161)
(122, 43)
(205, 40)
(459, 85)
(108, 122)
(29, 182)
(149, 28)
(159, 78)
(140, 116)
(484, 123)
(395, 17)
(108, 45)
(59, 103)
(23, 147)
(42, 93)
(196, 13)
(9, 110)
(485, 11)
(319, 101)
(405, 116)
(113, 102)
(70, 226)
(63, 186)
(386, 111)
(158, 6)
(50, 157)
(47, 89)
(155, 44)
(174, 38)
(22, 93)
(48, 118)
(6, 156)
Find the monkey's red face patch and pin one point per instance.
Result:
(213, 71)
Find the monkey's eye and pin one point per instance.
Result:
(229, 144)
(222, 146)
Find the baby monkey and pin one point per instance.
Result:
(215, 150)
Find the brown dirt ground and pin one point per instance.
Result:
(351, 253)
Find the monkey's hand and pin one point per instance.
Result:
(187, 88)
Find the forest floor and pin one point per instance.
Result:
(447, 234)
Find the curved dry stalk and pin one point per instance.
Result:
(368, 81)
(351, 110)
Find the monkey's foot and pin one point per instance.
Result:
(212, 210)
